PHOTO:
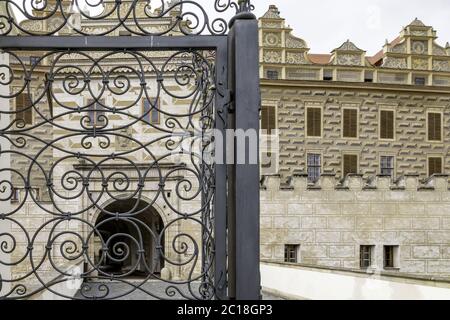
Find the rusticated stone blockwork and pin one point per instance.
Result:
(410, 147)
(328, 222)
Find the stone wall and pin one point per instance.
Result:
(410, 146)
(331, 219)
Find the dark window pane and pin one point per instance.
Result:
(272, 74)
(434, 165)
(151, 114)
(434, 126)
(314, 167)
(24, 109)
(387, 124)
(268, 119)
(350, 164)
(387, 166)
(314, 122)
(350, 123)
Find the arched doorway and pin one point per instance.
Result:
(125, 231)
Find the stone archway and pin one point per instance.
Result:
(108, 228)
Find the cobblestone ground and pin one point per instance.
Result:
(123, 291)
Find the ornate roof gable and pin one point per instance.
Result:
(349, 46)
(272, 13)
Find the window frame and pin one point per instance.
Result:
(394, 164)
(343, 122)
(428, 164)
(295, 249)
(275, 106)
(312, 152)
(92, 101)
(343, 162)
(371, 253)
(394, 125)
(272, 71)
(31, 108)
(394, 251)
(307, 107)
(158, 103)
(428, 124)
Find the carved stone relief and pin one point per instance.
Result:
(395, 63)
(272, 56)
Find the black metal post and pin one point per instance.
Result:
(244, 274)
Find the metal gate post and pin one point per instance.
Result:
(244, 274)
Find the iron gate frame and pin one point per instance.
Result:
(237, 201)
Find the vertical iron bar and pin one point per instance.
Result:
(244, 213)
(220, 204)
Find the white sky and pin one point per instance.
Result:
(326, 24)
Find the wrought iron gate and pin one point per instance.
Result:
(110, 184)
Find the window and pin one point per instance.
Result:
(314, 122)
(386, 124)
(24, 109)
(328, 75)
(434, 126)
(151, 114)
(350, 123)
(314, 167)
(434, 166)
(368, 76)
(15, 195)
(34, 61)
(272, 74)
(387, 166)
(365, 256)
(291, 253)
(390, 253)
(350, 164)
(19, 193)
(419, 81)
(96, 113)
(268, 119)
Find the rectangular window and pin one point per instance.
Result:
(350, 123)
(390, 253)
(419, 81)
(24, 109)
(365, 256)
(268, 119)
(350, 164)
(96, 113)
(151, 114)
(387, 166)
(368, 76)
(434, 166)
(314, 167)
(291, 253)
(434, 126)
(386, 124)
(328, 75)
(272, 74)
(16, 195)
(314, 122)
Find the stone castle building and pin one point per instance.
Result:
(354, 156)
(357, 175)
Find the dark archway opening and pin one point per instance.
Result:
(117, 230)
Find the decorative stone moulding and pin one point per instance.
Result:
(356, 182)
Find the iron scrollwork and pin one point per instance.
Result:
(99, 155)
(187, 17)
